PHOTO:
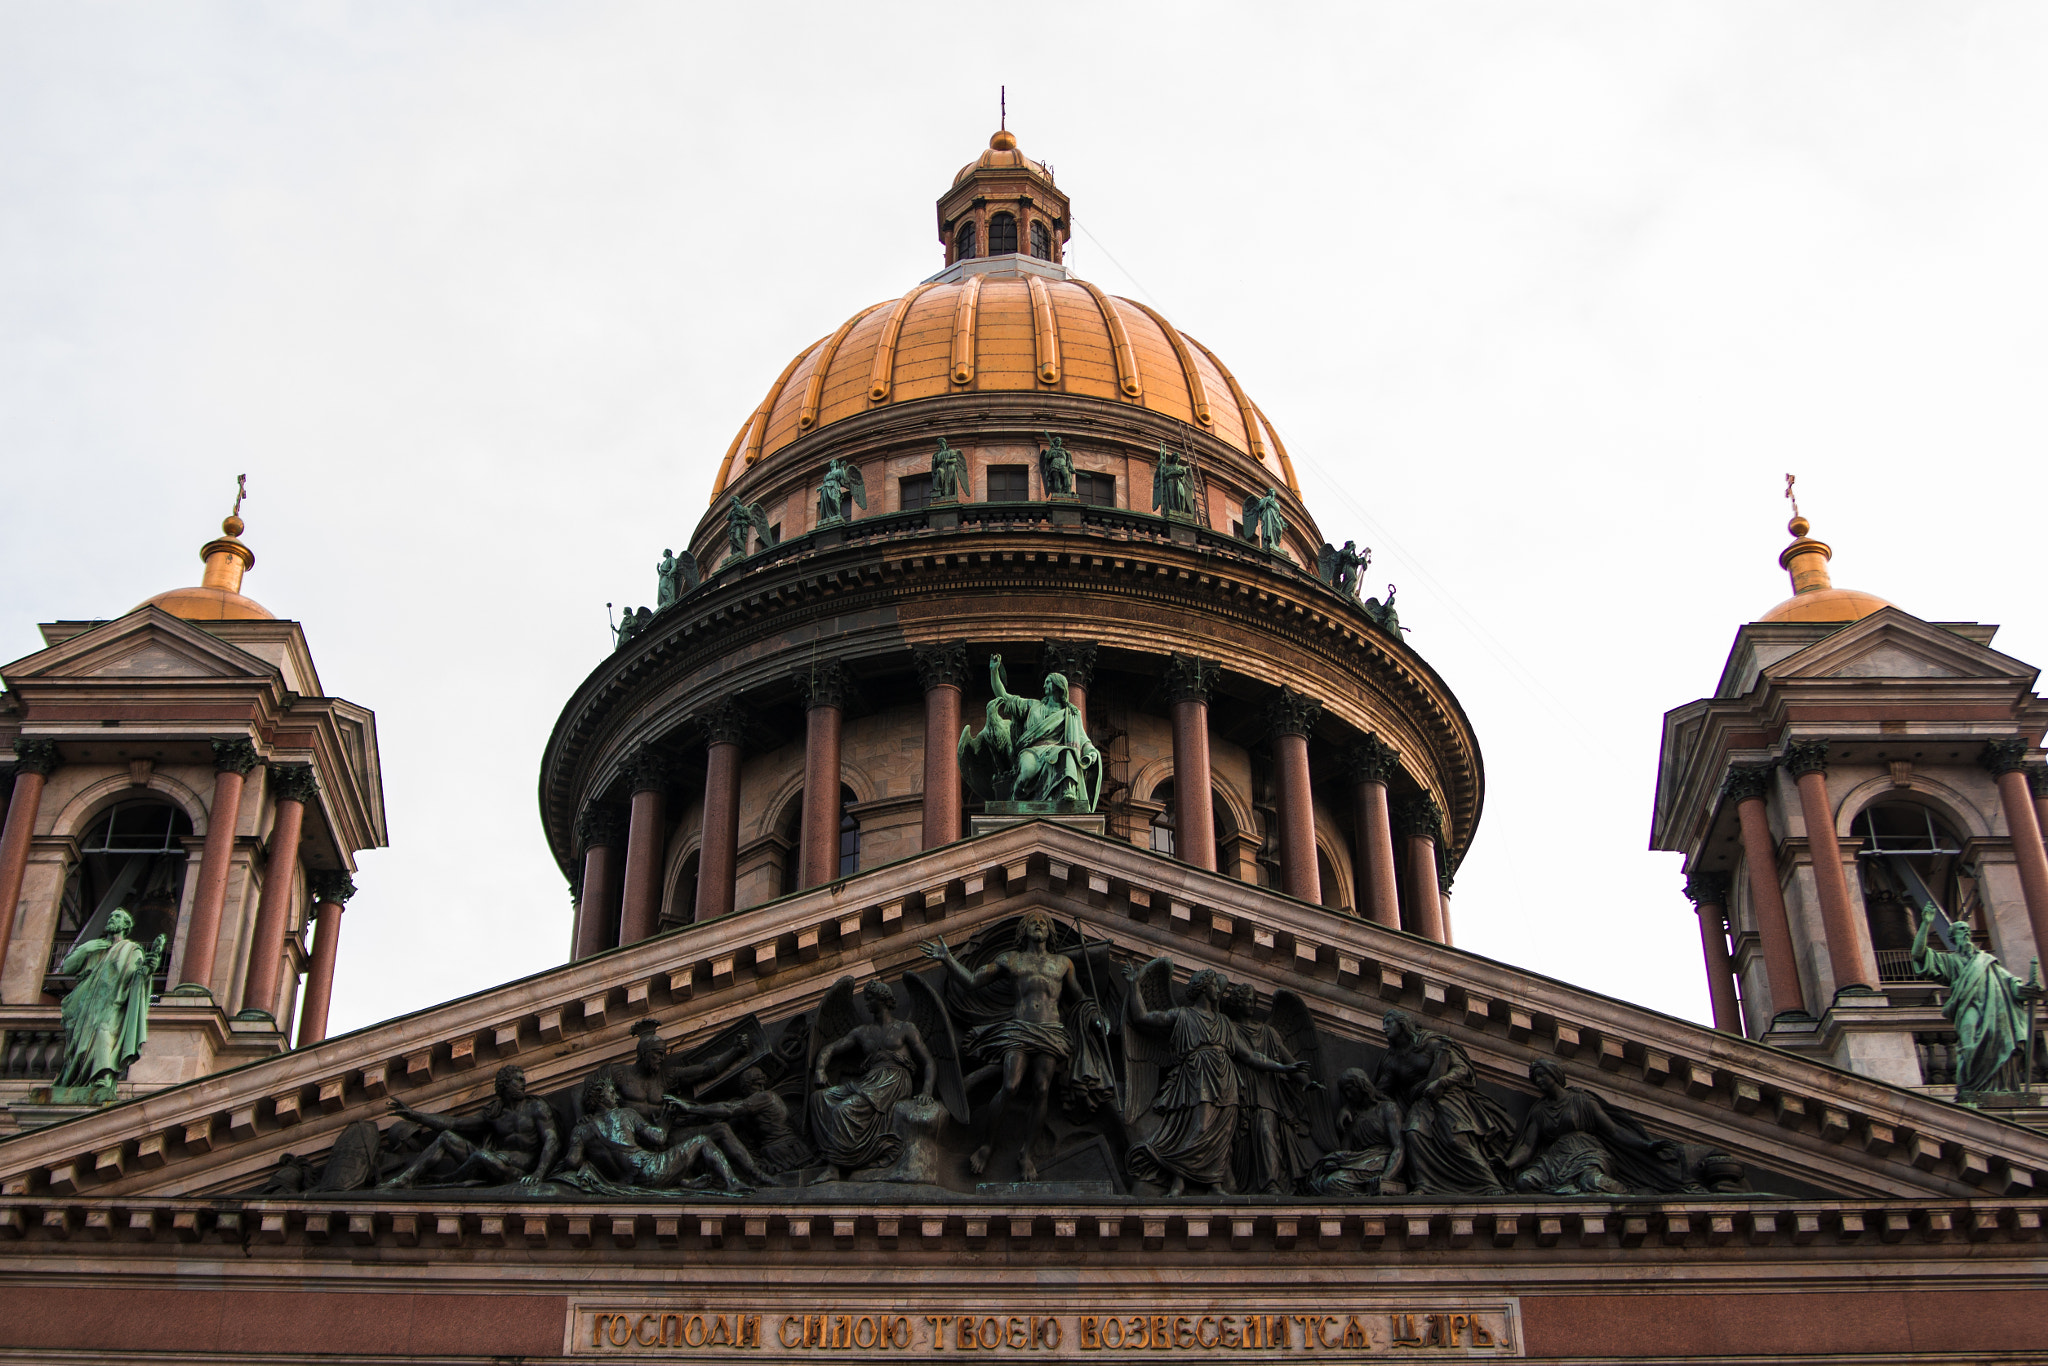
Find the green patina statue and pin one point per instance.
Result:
(1990, 1008)
(1056, 468)
(106, 1016)
(1030, 752)
(1263, 522)
(744, 522)
(841, 492)
(1173, 484)
(949, 471)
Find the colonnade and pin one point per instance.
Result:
(199, 964)
(1852, 961)
(618, 892)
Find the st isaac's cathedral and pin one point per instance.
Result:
(1012, 864)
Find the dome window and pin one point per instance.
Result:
(134, 857)
(1098, 490)
(849, 834)
(963, 242)
(1009, 483)
(1002, 235)
(1041, 242)
(916, 490)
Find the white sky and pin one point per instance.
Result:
(1546, 299)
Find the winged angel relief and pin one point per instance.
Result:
(1031, 1061)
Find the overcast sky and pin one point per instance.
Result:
(1545, 299)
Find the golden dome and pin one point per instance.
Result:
(1019, 332)
(1814, 596)
(218, 596)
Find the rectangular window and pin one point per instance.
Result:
(916, 490)
(1096, 489)
(1009, 483)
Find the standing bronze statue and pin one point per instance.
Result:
(1454, 1136)
(1056, 468)
(949, 471)
(1032, 751)
(106, 1015)
(511, 1139)
(1990, 1008)
(1173, 484)
(745, 522)
(843, 490)
(1033, 1044)
(1263, 521)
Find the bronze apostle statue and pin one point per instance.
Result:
(949, 471)
(1056, 468)
(1990, 1008)
(1032, 751)
(1173, 484)
(106, 1015)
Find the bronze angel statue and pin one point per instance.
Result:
(843, 490)
(1271, 1154)
(745, 522)
(1035, 1025)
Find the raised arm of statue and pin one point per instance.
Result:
(996, 678)
(1920, 955)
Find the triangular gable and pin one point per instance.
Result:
(1813, 1126)
(147, 643)
(1896, 644)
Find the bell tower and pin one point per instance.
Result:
(1854, 764)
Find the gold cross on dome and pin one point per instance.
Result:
(1790, 480)
(241, 492)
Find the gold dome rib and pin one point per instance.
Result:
(963, 329)
(1120, 340)
(760, 431)
(883, 372)
(1198, 393)
(1045, 331)
(807, 416)
(1244, 405)
(725, 465)
(1279, 449)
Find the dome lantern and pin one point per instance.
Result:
(1003, 204)
(1814, 595)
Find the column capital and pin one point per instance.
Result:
(1073, 658)
(1190, 678)
(1747, 782)
(2008, 755)
(725, 722)
(234, 756)
(941, 666)
(294, 783)
(332, 886)
(1372, 760)
(1806, 756)
(825, 684)
(647, 770)
(35, 756)
(1420, 816)
(1292, 713)
(1707, 889)
(599, 825)
(2037, 779)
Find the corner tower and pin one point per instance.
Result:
(1854, 763)
(790, 713)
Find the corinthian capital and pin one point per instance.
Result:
(825, 684)
(724, 722)
(35, 756)
(2004, 756)
(1291, 713)
(294, 783)
(1073, 658)
(940, 666)
(234, 756)
(1806, 756)
(1373, 760)
(1190, 679)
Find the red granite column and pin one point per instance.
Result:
(824, 688)
(1421, 826)
(34, 762)
(646, 838)
(942, 671)
(1849, 951)
(331, 891)
(1189, 683)
(232, 760)
(1746, 788)
(718, 855)
(294, 786)
(1708, 893)
(2006, 759)
(597, 905)
(1373, 763)
(2037, 779)
(1290, 718)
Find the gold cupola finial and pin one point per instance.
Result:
(1814, 595)
(219, 594)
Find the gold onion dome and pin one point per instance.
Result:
(1013, 320)
(1814, 595)
(219, 594)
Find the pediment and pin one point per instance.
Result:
(1892, 644)
(148, 643)
(1801, 1130)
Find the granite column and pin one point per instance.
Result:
(1708, 893)
(646, 841)
(2007, 761)
(718, 855)
(942, 672)
(1422, 826)
(34, 761)
(601, 832)
(331, 891)
(1746, 787)
(1850, 955)
(825, 689)
(1373, 763)
(1290, 718)
(232, 760)
(1189, 683)
(293, 786)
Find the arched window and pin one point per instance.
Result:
(1162, 831)
(849, 834)
(1041, 241)
(1002, 235)
(963, 242)
(132, 857)
(1899, 844)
